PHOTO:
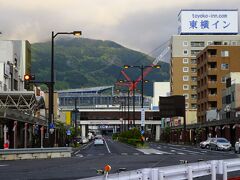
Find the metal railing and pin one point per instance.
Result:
(183, 171)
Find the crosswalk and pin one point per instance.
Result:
(157, 149)
(150, 151)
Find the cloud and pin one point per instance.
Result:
(139, 24)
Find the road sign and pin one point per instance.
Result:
(142, 132)
(46, 135)
(142, 117)
(68, 132)
(51, 126)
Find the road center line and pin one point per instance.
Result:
(107, 146)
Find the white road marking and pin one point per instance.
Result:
(173, 150)
(101, 154)
(3, 165)
(79, 155)
(87, 145)
(77, 152)
(107, 146)
(135, 154)
(187, 151)
(124, 154)
(152, 151)
(180, 153)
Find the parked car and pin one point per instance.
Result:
(205, 144)
(98, 140)
(85, 140)
(237, 146)
(220, 144)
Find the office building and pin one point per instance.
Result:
(193, 37)
(213, 64)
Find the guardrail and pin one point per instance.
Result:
(183, 171)
(35, 153)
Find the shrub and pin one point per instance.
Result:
(132, 137)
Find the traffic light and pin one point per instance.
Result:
(27, 79)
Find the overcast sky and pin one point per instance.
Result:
(138, 24)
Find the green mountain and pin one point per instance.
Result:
(88, 63)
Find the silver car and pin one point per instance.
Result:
(220, 144)
(237, 147)
(205, 144)
(98, 140)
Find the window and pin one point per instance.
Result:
(234, 43)
(193, 70)
(209, 43)
(194, 52)
(193, 96)
(194, 87)
(224, 53)
(185, 87)
(185, 78)
(193, 61)
(185, 52)
(194, 106)
(185, 69)
(186, 96)
(185, 60)
(197, 44)
(185, 43)
(186, 105)
(225, 43)
(224, 66)
(223, 79)
(194, 78)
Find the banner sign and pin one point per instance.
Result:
(208, 22)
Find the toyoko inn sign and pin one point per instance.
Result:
(208, 22)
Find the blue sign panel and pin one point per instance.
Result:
(68, 132)
(51, 126)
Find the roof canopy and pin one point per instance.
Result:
(20, 100)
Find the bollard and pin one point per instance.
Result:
(190, 176)
(154, 173)
(161, 176)
(213, 170)
(224, 171)
(145, 174)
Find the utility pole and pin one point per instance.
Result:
(75, 114)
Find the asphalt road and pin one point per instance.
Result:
(89, 158)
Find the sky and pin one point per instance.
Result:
(142, 25)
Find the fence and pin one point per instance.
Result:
(183, 171)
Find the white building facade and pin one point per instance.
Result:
(15, 61)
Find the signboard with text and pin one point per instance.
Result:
(142, 117)
(208, 22)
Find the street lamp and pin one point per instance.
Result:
(51, 84)
(142, 69)
(133, 85)
(124, 91)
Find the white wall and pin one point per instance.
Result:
(160, 89)
(9, 51)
